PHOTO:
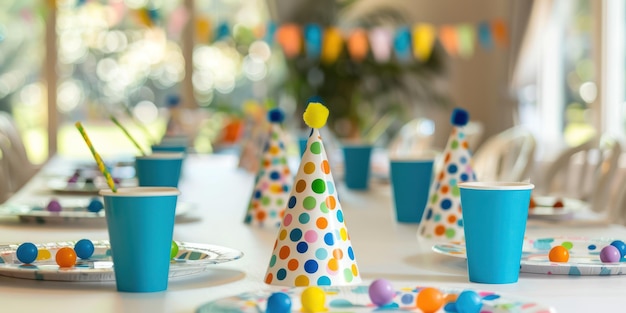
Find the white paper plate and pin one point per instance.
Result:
(72, 211)
(584, 256)
(192, 258)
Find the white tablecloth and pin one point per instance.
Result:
(383, 248)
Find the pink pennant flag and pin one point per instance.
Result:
(177, 21)
(423, 40)
(466, 36)
(381, 39)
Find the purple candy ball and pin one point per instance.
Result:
(610, 254)
(381, 292)
(54, 206)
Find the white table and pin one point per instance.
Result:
(383, 248)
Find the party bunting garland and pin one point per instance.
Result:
(405, 43)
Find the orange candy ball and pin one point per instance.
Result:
(66, 257)
(559, 254)
(430, 300)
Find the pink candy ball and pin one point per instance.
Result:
(610, 254)
(54, 206)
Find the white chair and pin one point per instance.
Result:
(414, 138)
(5, 180)
(20, 169)
(585, 172)
(507, 156)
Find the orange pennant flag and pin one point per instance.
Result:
(449, 39)
(358, 45)
(500, 32)
(289, 37)
(331, 45)
(423, 41)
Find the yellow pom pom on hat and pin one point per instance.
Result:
(315, 115)
(313, 247)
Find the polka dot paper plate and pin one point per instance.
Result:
(72, 211)
(61, 186)
(584, 256)
(356, 299)
(192, 258)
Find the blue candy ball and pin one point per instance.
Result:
(468, 301)
(621, 246)
(276, 115)
(84, 248)
(27, 252)
(95, 205)
(459, 117)
(278, 302)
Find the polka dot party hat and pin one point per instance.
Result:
(313, 247)
(443, 219)
(273, 180)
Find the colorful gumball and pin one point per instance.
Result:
(95, 205)
(54, 206)
(381, 292)
(559, 254)
(468, 301)
(313, 300)
(610, 254)
(621, 246)
(430, 300)
(174, 250)
(66, 257)
(84, 248)
(278, 302)
(27, 253)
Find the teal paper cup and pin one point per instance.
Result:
(410, 183)
(356, 159)
(169, 148)
(494, 221)
(140, 221)
(159, 169)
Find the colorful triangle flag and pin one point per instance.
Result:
(449, 39)
(423, 41)
(380, 42)
(358, 45)
(466, 36)
(331, 45)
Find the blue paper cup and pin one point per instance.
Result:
(140, 221)
(169, 148)
(159, 169)
(410, 182)
(356, 159)
(494, 221)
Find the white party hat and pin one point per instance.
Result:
(313, 246)
(443, 218)
(274, 179)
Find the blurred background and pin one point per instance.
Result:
(207, 68)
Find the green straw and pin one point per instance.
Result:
(96, 156)
(127, 134)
